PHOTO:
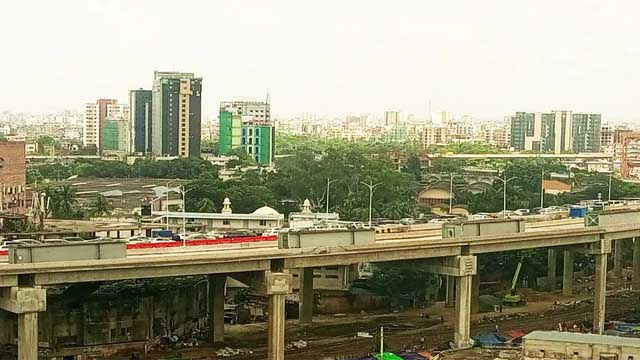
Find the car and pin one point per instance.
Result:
(56, 242)
(522, 212)
(194, 236)
(73, 238)
(407, 221)
(439, 221)
(480, 216)
(137, 239)
(22, 242)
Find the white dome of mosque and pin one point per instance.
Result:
(266, 210)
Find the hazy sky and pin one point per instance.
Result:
(482, 57)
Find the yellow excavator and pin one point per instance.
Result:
(513, 298)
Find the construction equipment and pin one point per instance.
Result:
(513, 298)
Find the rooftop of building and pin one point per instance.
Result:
(555, 336)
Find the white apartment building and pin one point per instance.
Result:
(94, 116)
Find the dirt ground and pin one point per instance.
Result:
(334, 336)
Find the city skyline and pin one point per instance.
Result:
(471, 58)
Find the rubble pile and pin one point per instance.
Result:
(229, 352)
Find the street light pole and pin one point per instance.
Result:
(504, 193)
(542, 189)
(450, 192)
(371, 187)
(184, 209)
(610, 176)
(329, 182)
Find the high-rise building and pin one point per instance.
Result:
(555, 132)
(606, 135)
(392, 118)
(522, 127)
(140, 120)
(586, 132)
(94, 119)
(176, 114)
(116, 135)
(247, 125)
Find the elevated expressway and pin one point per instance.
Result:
(22, 291)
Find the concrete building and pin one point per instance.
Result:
(262, 218)
(393, 118)
(548, 345)
(94, 120)
(13, 177)
(116, 135)
(140, 121)
(587, 132)
(555, 132)
(306, 218)
(606, 135)
(247, 125)
(176, 114)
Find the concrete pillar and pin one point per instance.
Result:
(617, 258)
(636, 263)
(278, 286)
(462, 325)
(551, 269)
(28, 336)
(305, 312)
(599, 294)
(216, 307)
(567, 274)
(451, 291)
(475, 294)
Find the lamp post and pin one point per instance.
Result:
(542, 188)
(450, 192)
(504, 193)
(329, 182)
(184, 192)
(371, 187)
(610, 177)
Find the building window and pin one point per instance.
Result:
(263, 222)
(113, 333)
(226, 222)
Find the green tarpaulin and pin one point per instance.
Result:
(388, 356)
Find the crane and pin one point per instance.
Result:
(513, 298)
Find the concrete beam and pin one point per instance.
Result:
(532, 240)
(23, 300)
(462, 265)
(216, 289)
(600, 290)
(305, 312)
(28, 336)
(8, 280)
(567, 274)
(373, 255)
(71, 274)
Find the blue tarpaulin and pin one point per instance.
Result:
(489, 339)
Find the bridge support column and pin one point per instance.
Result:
(450, 291)
(462, 326)
(28, 336)
(305, 312)
(567, 273)
(551, 269)
(278, 286)
(216, 294)
(636, 263)
(26, 302)
(600, 290)
(617, 258)
(475, 294)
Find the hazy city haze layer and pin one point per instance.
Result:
(486, 58)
